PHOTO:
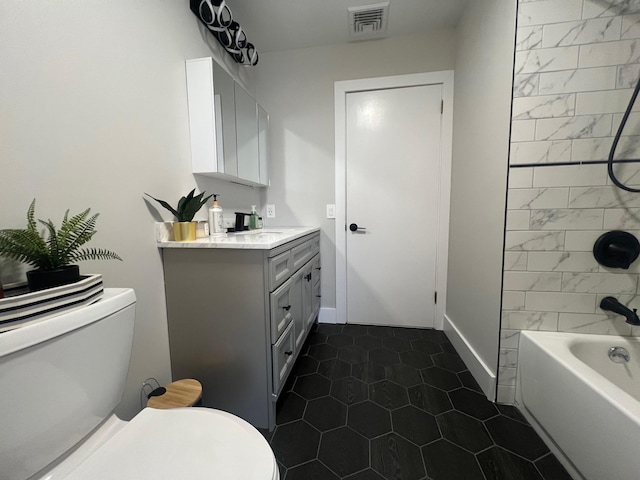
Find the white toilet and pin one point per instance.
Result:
(60, 380)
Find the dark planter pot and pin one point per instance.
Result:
(43, 279)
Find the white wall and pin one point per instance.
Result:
(576, 65)
(94, 113)
(296, 88)
(483, 76)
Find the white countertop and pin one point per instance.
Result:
(262, 239)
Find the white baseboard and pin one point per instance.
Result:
(480, 371)
(327, 315)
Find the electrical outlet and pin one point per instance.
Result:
(331, 210)
(271, 211)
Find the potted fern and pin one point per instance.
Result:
(54, 257)
(185, 228)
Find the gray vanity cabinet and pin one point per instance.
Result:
(238, 319)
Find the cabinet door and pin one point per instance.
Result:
(247, 136)
(212, 118)
(315, 303)
(225, 108)
(263, 145)
(315, 269)
(307, 293)
(299, 319)
(203, 121)
(315, 281)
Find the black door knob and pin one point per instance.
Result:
(354, 227)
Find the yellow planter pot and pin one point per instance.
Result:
(184, 231)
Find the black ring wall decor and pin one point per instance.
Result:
(216, 16)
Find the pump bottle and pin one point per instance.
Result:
(253, 218)
(216, 220)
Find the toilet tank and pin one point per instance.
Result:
(60, 378)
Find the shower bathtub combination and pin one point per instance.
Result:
(583, 398)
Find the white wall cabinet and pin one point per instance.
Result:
(227, 127)
(238, 319)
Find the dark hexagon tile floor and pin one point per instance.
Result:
(376, 403)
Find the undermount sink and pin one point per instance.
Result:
(260, 231)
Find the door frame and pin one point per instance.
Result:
(341, 89)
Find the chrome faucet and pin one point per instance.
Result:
(613, 305)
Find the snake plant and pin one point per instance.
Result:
(187, 206)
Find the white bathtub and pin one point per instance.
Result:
(586, 407)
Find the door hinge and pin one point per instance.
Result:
(435, 297)
(441, 106)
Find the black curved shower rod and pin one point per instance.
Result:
(616, 139)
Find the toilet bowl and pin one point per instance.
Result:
(62, 377)
(181, 443)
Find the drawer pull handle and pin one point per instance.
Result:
(287, 308)
(318, 268)
(318, 296)
(288, 353)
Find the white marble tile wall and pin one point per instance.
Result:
(577, 62)
(551, 279)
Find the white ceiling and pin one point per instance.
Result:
(274, 25)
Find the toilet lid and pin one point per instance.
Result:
(182, 443)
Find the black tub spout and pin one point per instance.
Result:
(613, 305)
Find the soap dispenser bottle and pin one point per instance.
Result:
(253, 218)
(216, 220)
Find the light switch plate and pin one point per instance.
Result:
(271, 211)
(331, 210)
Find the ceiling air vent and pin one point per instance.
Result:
(368, 21)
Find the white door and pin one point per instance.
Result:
(393, 152)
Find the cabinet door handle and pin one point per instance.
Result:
(318, 268)
(308, 277)
(318, 296)
(287, 308)
(288, 353)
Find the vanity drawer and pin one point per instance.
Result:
(301, 254)
(282, 353)
(280, 269)
(281, 302)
